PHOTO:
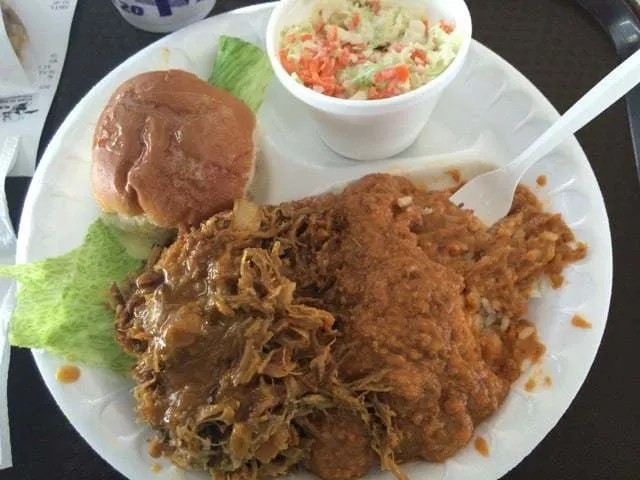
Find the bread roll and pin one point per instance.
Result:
(172, 150)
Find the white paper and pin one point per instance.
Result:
(9, 150)
(25, 98)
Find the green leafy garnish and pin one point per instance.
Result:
(242, 69)
(62, 301)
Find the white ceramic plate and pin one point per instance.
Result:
(489, 98)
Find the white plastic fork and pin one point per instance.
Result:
(490, 195)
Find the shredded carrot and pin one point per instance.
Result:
(305, 36)
(328, 84)
(420, 55)
(328, 67)
(288, 66)
(402, 73)
(445, 26)
(328, 46)
(343, 59)
(317, 71)
(314, 66)
(399, 73)
(305, 76)
(391, 87)
(355, 21)
(332, 33)
(384, 75)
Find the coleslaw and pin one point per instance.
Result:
(367, 49)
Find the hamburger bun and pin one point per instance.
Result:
(170, 150)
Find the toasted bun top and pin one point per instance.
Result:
(172, 147)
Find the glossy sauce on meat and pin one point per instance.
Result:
(401, 325)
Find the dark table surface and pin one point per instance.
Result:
(564, 52)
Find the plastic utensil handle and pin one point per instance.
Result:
(606, 92)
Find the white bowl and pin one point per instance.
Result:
(370, 129)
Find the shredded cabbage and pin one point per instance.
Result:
(375, 45)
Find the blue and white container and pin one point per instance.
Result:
(161, 16)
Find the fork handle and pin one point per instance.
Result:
(633, 112)
(606, 92)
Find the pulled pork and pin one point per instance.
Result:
(374, 326)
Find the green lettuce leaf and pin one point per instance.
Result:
(243, 70)
(62, 301)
